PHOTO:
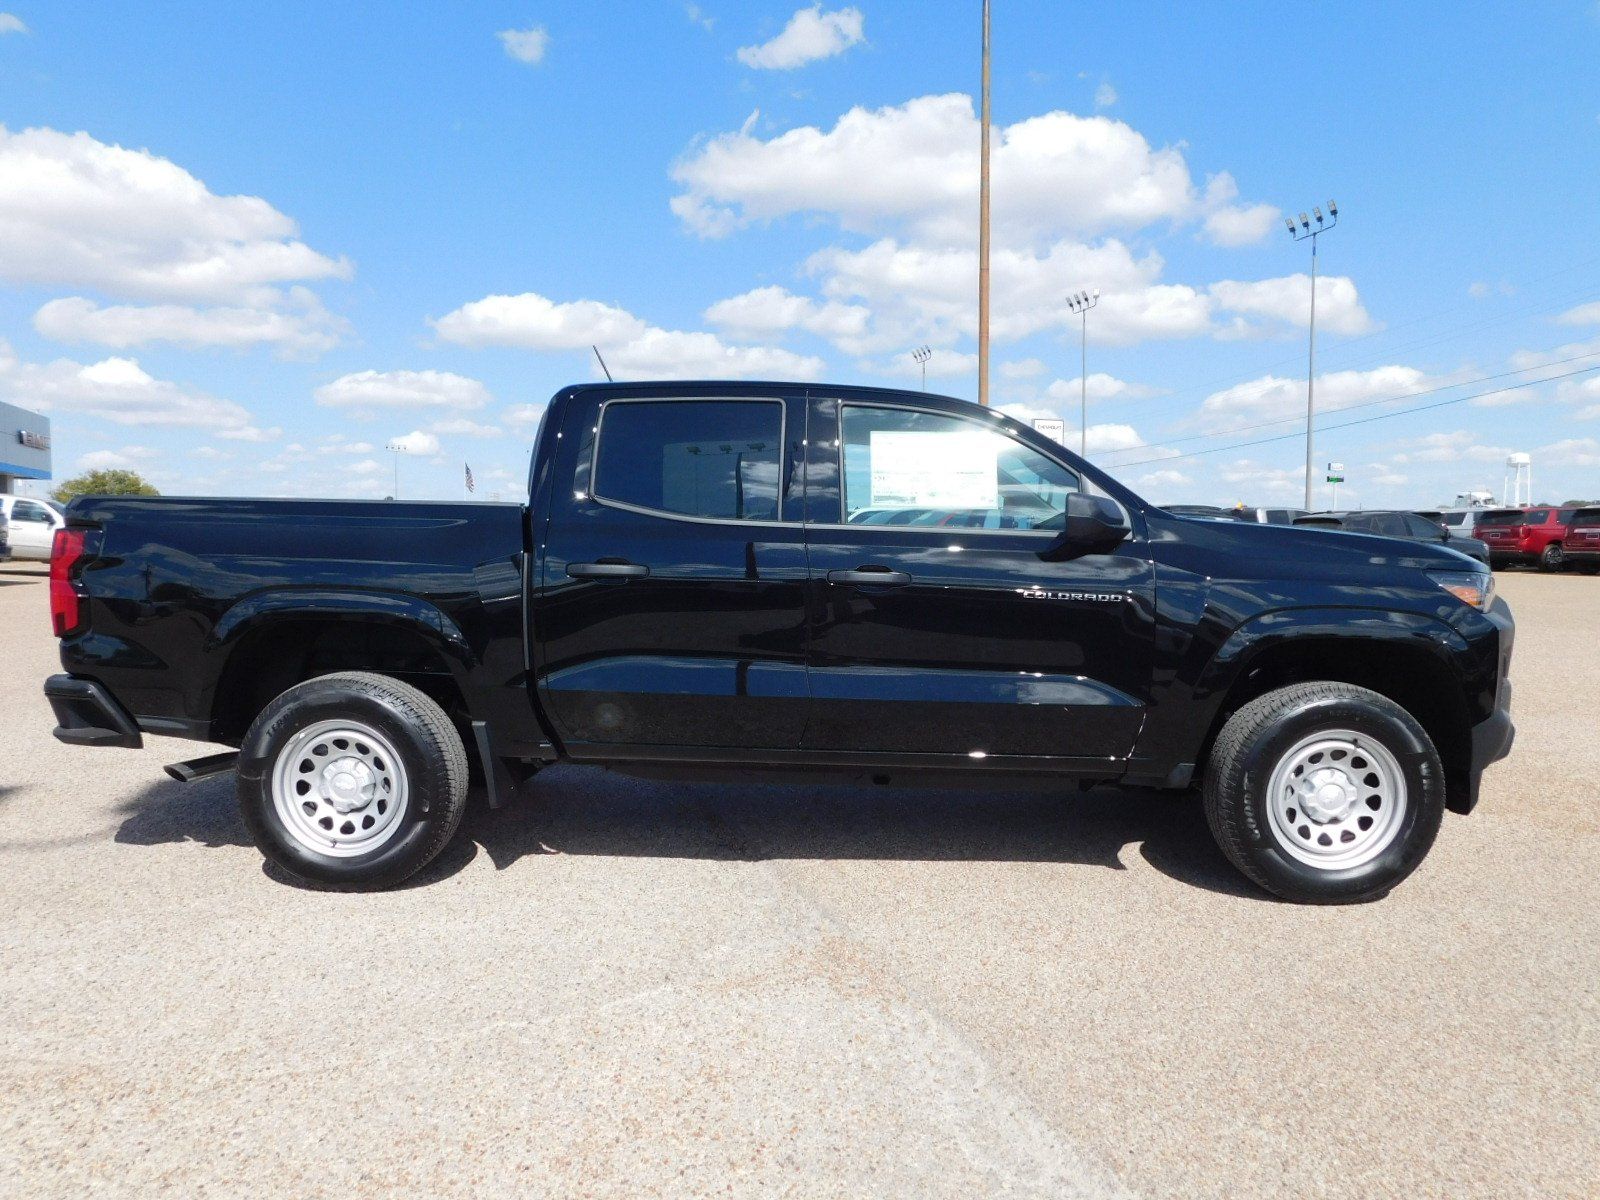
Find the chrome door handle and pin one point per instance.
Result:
(607, 570)
(871, 576)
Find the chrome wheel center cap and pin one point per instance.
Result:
(1327, 795)
(348, 784)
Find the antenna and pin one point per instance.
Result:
(603, 366)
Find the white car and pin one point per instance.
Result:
(33, 524)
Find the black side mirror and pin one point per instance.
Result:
(1090, 525)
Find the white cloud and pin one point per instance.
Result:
(416, 442)
(1164, 478)
(114, 389)
(11, 23)
(1236, 226)
(463, 427)
(1288, 299)
(771, 311)
(303, 328)
(1584, 314)
(632, 347)
(698, 17)
(251, 433)
(1023, 368)
(126, 459)
(525, 45)
(811, 34)
(1053, 174)
(1099, 386)
(77, 212)
(374, 390)
(1105, 96)
(1570, 452)
(525, 416)
(942, 364)
(531, 322)
(1458, 445)
(1272, 397)
(670, 354)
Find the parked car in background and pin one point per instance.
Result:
(1413, 527)
(33, 526)
(1582, 547)
(1530, 536)
(1208, 512)
(5, 539)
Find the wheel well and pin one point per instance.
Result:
(272, 659)
(1409, 675)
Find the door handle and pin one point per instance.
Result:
(607, 570)
(871, 576)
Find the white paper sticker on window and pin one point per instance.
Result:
(949, 470)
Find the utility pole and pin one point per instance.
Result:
(922, 354)
(1306, 231)
(1081, 303)
(983, 226)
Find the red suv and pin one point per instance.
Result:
(1583, 540)
(1525, 535)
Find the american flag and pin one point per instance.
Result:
(471, 487)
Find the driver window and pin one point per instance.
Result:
(903, 467)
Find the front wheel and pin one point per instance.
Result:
(1324, 793)
(352, 781)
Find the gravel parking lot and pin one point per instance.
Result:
(619, 988)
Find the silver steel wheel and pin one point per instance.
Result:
(339, 788)
(1336, 800)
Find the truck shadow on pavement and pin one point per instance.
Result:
(589, 811)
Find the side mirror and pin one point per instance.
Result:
(1090, 525)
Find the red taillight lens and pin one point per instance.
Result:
(65, 606)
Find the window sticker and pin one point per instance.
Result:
(942, 470)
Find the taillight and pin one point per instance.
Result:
(66, 606)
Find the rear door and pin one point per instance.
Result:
(670, 612)
(948, 636)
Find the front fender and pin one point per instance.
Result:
(1267, 630)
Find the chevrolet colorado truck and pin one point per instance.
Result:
(792, 581)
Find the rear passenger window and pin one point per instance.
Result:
(718, 459)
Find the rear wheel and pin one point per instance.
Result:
(1554, 558)
(1324, 793)
(352, 781)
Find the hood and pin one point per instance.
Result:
(1240, 549)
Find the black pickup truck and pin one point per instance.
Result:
(764, 579)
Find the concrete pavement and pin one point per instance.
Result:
(616, 988)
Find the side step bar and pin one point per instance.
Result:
(199, 768)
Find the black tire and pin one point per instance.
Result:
(430, 754)
(1267, 729)
(1553, 558)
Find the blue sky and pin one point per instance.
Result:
(241, 250)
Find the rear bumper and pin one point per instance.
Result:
(87, 715)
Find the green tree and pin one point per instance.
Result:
(111, 482)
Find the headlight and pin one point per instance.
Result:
(1470, 587)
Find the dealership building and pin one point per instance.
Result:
(24, 446)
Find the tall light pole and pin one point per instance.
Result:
(1306, 230)
(922, 354)
(1081, 303)
(983, 225)
(396, 449)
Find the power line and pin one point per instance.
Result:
(1443, 387)
(1361, 421)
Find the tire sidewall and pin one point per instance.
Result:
(426, 779)
(1419, 766)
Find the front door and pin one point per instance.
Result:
(936, 628)
(671, 605)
